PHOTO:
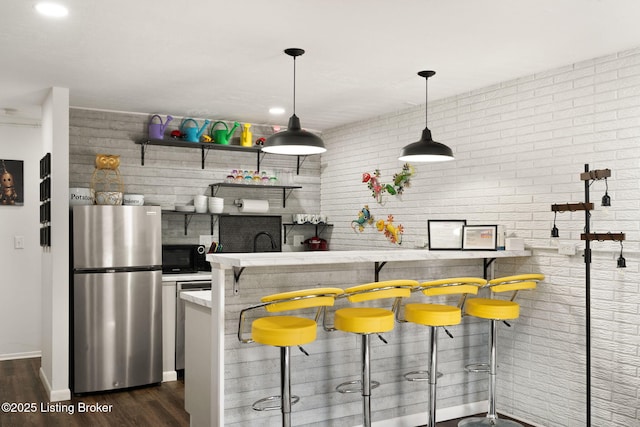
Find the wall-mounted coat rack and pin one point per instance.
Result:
(587, 176)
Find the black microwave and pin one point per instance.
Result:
(184, 259)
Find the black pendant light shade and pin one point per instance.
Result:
(426, 149)
(294, 141)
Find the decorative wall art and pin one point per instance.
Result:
(479, 237)
(364, 218)
(445, 234)
(391, 231)
(45, 201)
(401, 180)
(12, 182)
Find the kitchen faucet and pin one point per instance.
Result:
(265, 233)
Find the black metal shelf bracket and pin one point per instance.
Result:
(237, 272)
(299, 163)
(486, 263)
(377, 269)
(143, 150)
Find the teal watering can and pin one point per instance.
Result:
(223, 136)
(192, 134)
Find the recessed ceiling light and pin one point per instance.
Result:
(276, 110)
(53, 10)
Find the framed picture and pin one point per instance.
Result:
(445, 234)
(11, 182)
(479, 237)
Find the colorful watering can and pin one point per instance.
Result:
(156, 130)
(245, 136)
(192, 134)
(223, 136)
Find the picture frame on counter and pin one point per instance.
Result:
(445, 234)
(480, 237)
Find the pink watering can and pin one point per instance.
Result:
(156, 130)
(192, 134)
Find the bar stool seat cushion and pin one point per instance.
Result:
(283, 331)
(364, 320)
(494, 309)
(433, 314)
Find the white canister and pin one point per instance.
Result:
(216, 204)
(200, 203)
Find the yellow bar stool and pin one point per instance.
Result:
(434, 316)
(497, 310)
(365, 321)
(285, 332)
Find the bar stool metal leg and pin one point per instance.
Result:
(366, 381)
(433, 374)
(285, 386)
(492, 418)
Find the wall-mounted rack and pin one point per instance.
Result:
(286, 189)
(588, 237)
(204, 148)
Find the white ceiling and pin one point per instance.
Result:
(225, 60)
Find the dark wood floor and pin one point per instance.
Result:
(154, 406)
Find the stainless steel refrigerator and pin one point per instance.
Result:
(116, 297)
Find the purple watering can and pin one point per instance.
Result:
(192, 134)
(156, 130)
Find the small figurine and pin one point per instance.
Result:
(9, 193)
(176, 134)
(364, 218)
(391, 232)
(401, 180)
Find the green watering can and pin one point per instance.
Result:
(222, 136)
(192, 134)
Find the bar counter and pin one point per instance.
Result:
(219, 307)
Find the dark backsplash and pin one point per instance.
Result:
(239, 232)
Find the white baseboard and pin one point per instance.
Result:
(54, 395)
(169, 376)
(25, 355)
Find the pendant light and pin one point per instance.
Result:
(426, 150)
(294, 141)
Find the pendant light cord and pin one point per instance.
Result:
(426, 102)
(294, 85)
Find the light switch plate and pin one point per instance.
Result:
(18, 242)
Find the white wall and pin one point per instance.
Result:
(20, 284)
(54, 371)
(520, 146)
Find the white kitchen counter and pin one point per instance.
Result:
(184, 277)
(271, 259)
(215, 300)
(202, 298)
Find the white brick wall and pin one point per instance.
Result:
(520, 146)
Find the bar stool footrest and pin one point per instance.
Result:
(477, 367)
(271, 403)
(420, 376)
(354, 386)
(487, 422)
